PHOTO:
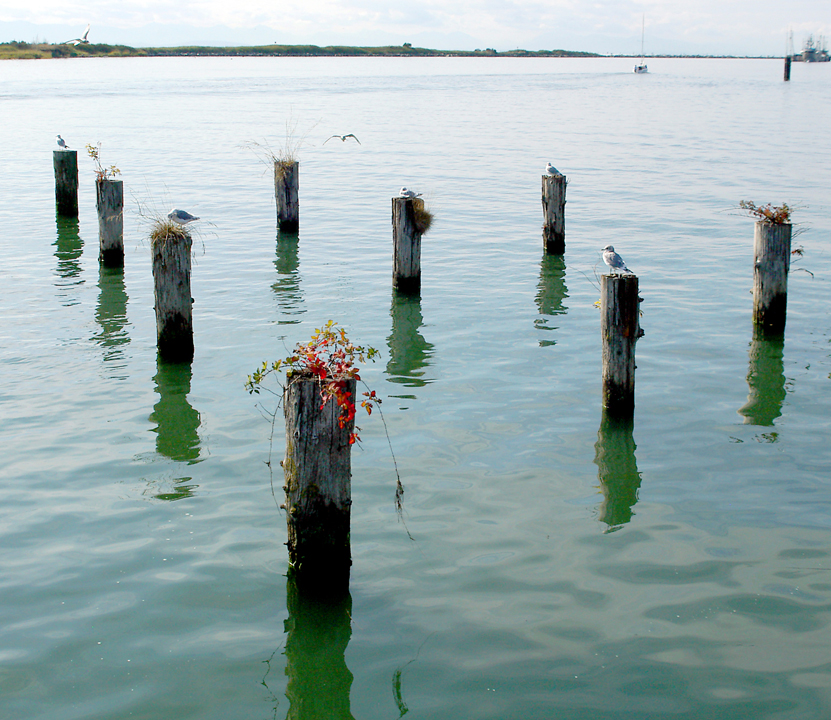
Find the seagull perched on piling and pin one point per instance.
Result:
(61, 143)
(342, 138)
(551, 170)
(181, 217)
(405, 193)
(614, 261)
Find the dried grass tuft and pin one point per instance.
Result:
(422, 217)
(166, 231)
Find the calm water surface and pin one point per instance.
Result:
(559, 567)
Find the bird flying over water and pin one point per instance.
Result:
(613, 260)
(81, 40)
(61, 143)
(181, 217)
(551, 170)
(342, 138)
(405, 193)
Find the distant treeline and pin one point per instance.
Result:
(26, 51)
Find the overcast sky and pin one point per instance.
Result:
(731, 27)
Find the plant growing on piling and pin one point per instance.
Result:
(101, 172)
(331, 358)
(422, 217)
(773, 214)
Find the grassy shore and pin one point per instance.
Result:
(29, 51)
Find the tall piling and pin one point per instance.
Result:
(772, 259)
(286, 193)
(620, 330)
(171, 250)
(787, 68)
(109, 200)
(406, 244)
(65, 163)
(554, 213)
(318, 476)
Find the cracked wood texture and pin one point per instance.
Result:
(620, 329)
(318, 475)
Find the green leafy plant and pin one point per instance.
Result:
(101, 172)
(331, 358)
(773, 214)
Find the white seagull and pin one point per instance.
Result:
(342, 138)
(181, 217)
(81, 40)
(551, 170)
(405, 193)
(613, 260)
(61, 143)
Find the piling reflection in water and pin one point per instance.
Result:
(765, 379)
(68, 250)
(410, 353)
(551, 292)
(617, 470)
(176, 421)
(319, 630)
(287, 288)
(111, 315)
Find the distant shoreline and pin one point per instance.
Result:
(42, 51)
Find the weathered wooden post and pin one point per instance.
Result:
(620, 330)
(772, 258)
(286, 184)
(406, 244)
(65, 163)
(109, 200)
(171, 248)
(554, 211)
(318, 475)
(787, 68)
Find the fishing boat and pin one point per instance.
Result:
(641, 68)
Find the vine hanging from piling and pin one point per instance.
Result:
(331, 357)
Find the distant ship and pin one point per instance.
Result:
(813, 52)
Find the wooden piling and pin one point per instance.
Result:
(620, 330)
(109, 200)
(772, 259)
(554, 212)
(171, 248)
(286, 193)
(406, 244)
(787, 68)
(65, 163)
(318, 471)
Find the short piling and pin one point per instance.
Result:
(171, 250)
(406, 244)
(65, 163)
(286, 193)
(787, 68)
(318, 486)
(620, 330)
(109, 196)
(554, 212)
(772, 258)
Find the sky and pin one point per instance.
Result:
(719, 27)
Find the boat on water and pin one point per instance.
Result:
(813, 51)
(641, 68)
